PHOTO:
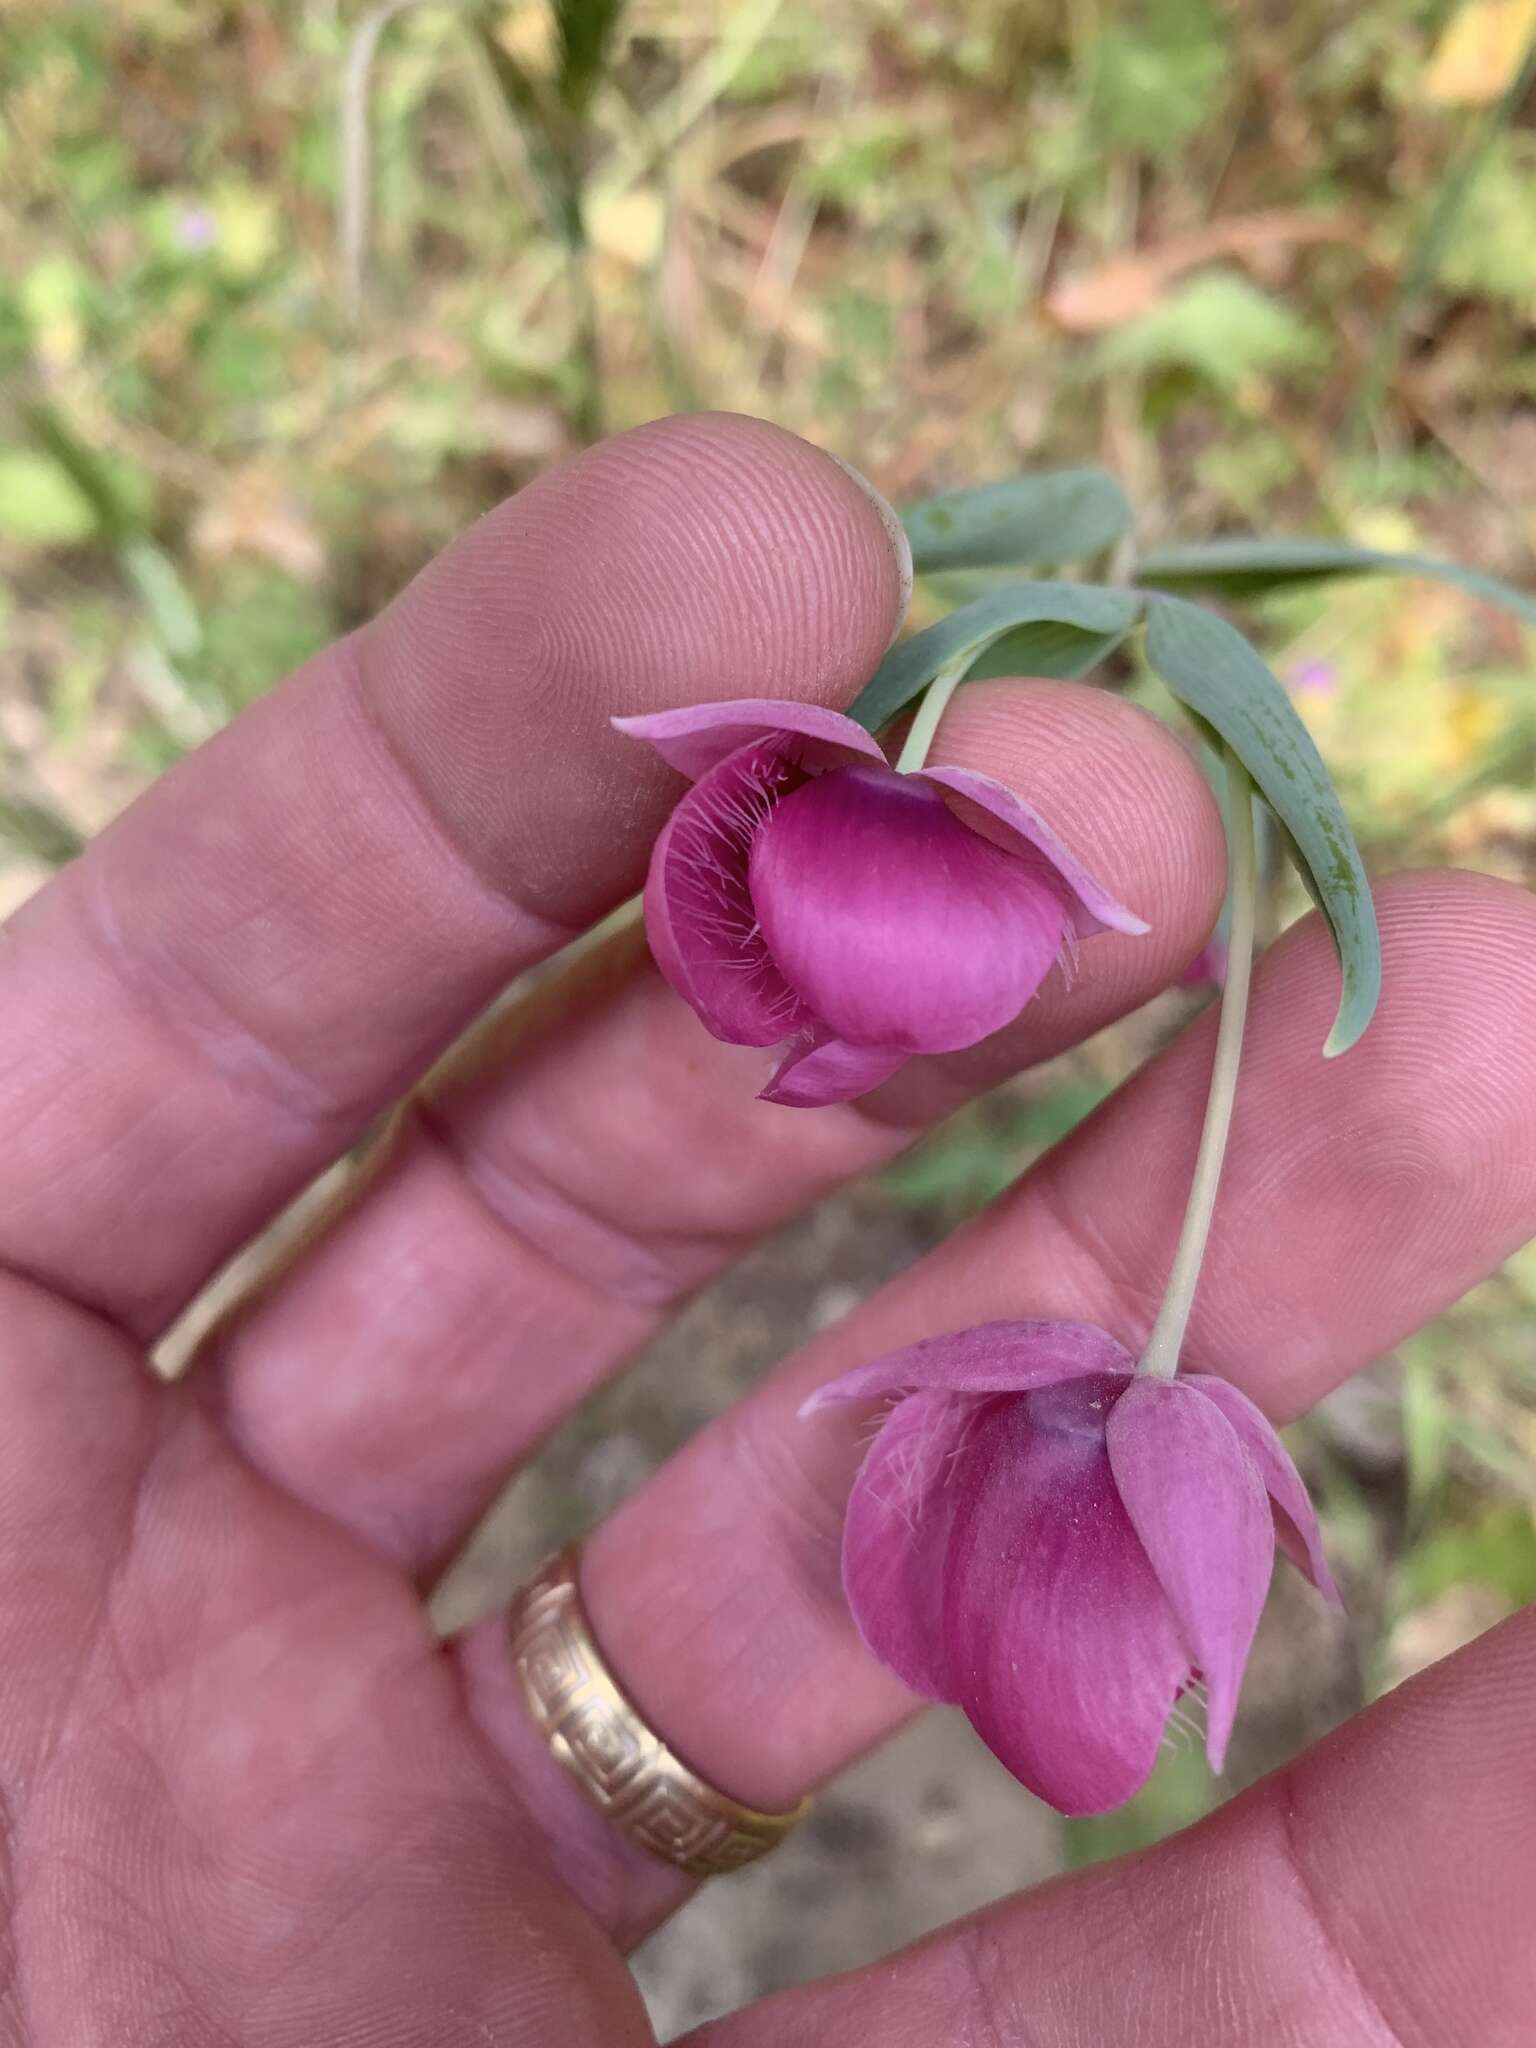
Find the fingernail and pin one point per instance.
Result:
(896, 533)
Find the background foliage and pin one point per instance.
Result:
(290, 292)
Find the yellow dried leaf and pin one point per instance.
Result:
(247, 228)
(1479, 52)
(527, 34)
(629, 227)
(1472, 719)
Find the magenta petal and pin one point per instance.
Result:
(896, 1537)
(1209, 967)
(1300, 1537)
(1197, 1503)
(990, 1358)
(1063, 1646)
(820, 1070)
(699, 919)
(1090, 906)
(898, 926)
(696, 737)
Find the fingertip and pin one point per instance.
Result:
(695, 559)
(1126, 796)
(1445, 934)
(792, 524)
(896, 535)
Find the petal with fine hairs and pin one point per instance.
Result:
(1062, 1644)
(697, 737)
(989, 1358)
(1296, 1518)
(699, 919)
(898, 926)
(1198, 1504)
(896, 1537)
(1090, 906)
(818, 1070)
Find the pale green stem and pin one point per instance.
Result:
(1166, 1341)
(929, 712)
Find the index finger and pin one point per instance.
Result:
(285, 931)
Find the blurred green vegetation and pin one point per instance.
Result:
(292, 290)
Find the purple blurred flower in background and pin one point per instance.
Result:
(805, 891)
(196, 228)
(1320, 677)
(1063, 1547)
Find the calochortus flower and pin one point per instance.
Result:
(1063, 1546)
(805, 891)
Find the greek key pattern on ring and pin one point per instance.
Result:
(597, 1735)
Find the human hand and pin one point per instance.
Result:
(245, 1796)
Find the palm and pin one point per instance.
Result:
(245, 1798)
(252, 1806)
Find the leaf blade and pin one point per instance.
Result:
(584, 31)
(1099, 618)
(1056, 516)
(1213, 670)
(1238, 566)
(1046, 647)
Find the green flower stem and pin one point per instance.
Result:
(1166, 1341)
(935, 702)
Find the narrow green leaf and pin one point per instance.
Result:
(584, 31)
(1055, 629)
(1047, 647)
(40, 503)
(1498, 1550)
(1211, 668)
(1059, 516)
(37, 829)
(1243, 567)
(166, 600)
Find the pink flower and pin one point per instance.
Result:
(1063, 1547)
(804, 891)
(1320, 677)
(1209, 966)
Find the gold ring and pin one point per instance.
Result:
(620, 1763)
